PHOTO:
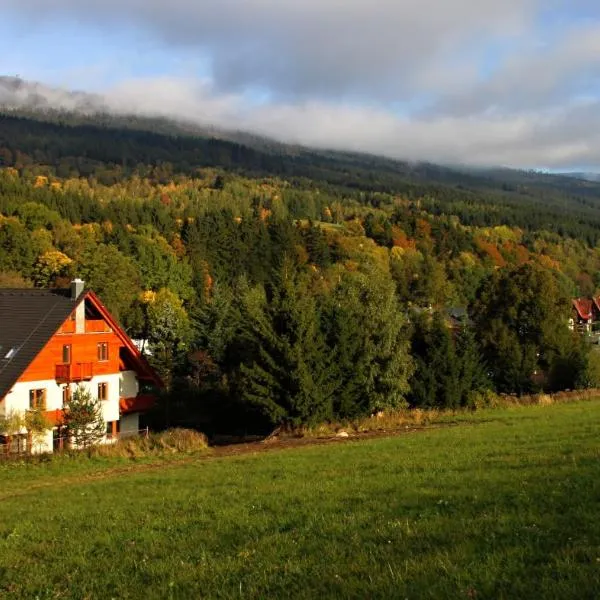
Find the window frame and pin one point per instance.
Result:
(113, 429)
(102, 352)
(67, 394)
(37, 398)
(67, 349)
(102, 391)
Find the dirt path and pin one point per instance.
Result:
(275, 444)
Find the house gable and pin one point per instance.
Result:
(28, 319)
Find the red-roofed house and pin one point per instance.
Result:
(54, 340)
(583, 313)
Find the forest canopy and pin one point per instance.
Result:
(287, 286)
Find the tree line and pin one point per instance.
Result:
(271, 300)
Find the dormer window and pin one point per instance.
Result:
(10, 353)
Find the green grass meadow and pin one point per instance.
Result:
(501, 504)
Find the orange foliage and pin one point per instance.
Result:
(522, 254)
(423, 228)
(400, 239)
(491, 251)
(178, 246)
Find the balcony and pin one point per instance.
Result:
(68, 327)
(96, 326)
(74, 372)
(91, 326)
(139, 403)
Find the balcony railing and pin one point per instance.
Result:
(91, 326)
(96, 326)
(74, 372)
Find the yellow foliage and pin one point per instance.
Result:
(397, 252)
(148, 297)
(56, 258)
(40, 181)
(548, 262)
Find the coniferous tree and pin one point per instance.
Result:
(436, 380)
(83, 419)
(367, 333)
(289, 373)
(472, 375)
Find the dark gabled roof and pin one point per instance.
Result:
(28, 319)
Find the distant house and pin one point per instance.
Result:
(582, 314)
(54, 340)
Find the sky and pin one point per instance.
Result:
(477, 82)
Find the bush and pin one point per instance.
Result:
(172, 441)
(484, 399)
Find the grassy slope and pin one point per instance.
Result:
(506, 507)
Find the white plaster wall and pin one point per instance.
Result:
(18, 400)
(129, 386)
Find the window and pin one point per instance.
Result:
(66, 394)
(37, 399)
(103, 351)
(112, 429)
(66, 354)
(103, 391)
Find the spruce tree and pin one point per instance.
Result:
(366, 330)
(83, 419)
(287, 374)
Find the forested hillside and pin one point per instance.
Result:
(280, 285)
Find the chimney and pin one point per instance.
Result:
(76, 288)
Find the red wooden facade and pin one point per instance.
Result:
(101, 348)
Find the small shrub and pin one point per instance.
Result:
(485, 399)
(172, 441)
(544, 400)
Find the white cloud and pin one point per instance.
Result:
(552, 138)
(513, 83)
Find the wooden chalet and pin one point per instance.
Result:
(582, 314)
(54, 340)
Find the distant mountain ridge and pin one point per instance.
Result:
(33, 99)
(37, 102)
